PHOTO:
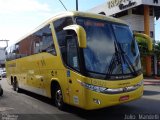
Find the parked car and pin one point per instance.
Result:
(2, 74)
(1, 90)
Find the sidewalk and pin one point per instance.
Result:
(151, 82)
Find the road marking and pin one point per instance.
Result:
(5, 109)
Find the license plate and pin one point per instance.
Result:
(124, 98)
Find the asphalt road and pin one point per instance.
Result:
(28, 106)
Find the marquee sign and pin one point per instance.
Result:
(112, 7)
(122, 4)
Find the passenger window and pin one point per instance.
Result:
(40, 41)
(47, 41)
(43, 41)
(61, 34)
(37, 47)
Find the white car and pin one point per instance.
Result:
(2, 73)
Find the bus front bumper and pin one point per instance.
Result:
(97, 100)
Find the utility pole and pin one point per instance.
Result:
(76, 5)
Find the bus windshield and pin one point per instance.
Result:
(111, 48)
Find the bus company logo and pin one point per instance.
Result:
(122, 4)
(125, 89)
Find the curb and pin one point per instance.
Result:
(151, 82)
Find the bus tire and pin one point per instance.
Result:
(58, 96)
(1, 92)
(16, 87)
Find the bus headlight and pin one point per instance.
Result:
(92, 87)
(139, 84)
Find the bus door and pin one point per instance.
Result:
(72, 72)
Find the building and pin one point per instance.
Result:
(2, 52)
(140, 16)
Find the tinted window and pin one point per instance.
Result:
(40, 41)
(43, 41)
(100, 44)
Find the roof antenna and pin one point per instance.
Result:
(63, 5)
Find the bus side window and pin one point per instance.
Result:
(47, 41)
(43, 41)
(13, 52)
(61, 34)
(17, 51)
(8, 53)
(36, 40)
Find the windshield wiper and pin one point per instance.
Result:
(127, 60)
(120, 58)
(116, 60)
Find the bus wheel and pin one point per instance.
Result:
(15, 86)
(1, 92)
(59, 98)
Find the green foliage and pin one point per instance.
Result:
(143, 47)
(157, 49)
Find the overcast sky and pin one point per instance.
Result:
(19, 17)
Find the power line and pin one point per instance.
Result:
(63, 5)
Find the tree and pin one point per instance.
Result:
(157, 49)
(143, 47)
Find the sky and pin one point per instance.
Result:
(19, 17)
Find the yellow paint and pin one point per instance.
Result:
(81, 34)
(34, 76)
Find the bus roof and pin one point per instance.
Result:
(73, 13)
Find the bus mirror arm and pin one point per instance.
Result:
(81, 34)
(147, 38)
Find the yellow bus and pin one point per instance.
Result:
(86, 60)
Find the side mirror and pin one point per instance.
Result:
(145, 37)
(81, 34)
